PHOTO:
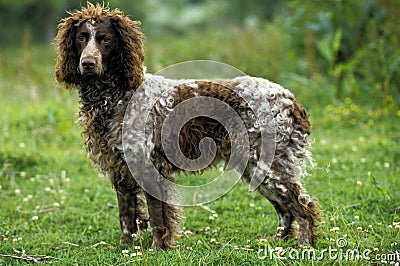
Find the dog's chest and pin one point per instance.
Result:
(101, 124)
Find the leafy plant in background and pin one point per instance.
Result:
(354, 42)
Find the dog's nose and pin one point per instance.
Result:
(88, 63)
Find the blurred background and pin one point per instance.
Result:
(343, 48)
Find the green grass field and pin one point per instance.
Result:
(56, 209)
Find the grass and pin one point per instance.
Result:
(55, 208)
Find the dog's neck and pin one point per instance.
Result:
(96, 90)
(101, 101)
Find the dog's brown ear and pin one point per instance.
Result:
(66, 72)
(301, 116)
(130, 48)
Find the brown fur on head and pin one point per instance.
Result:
(130, 46)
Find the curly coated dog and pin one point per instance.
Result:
(100, 53)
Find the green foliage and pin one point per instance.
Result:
(258, 52)
(355, 43)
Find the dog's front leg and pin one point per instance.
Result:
(127, 216)
(131, 207)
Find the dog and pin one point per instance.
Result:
(100, 53)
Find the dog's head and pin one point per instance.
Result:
(94, 42)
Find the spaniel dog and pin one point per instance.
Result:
(100, 53)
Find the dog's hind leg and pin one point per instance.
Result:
(163, 221)
(291, 203)
(285, 217)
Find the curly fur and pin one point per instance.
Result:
(104, 100)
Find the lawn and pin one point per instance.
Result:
(55, 208)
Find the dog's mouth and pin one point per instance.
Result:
(87, 73)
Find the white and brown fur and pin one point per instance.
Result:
(100, 52)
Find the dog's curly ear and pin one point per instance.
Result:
(66, 73)
(130, 48)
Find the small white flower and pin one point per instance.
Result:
(334, 229)
(386, 165)
(35, 218)
(125, 252)
(359, 183)
(63, 174)
(251, 205)
(47, 189)
(188, 233)
(22, 174)
(356, 218)
(17, 192)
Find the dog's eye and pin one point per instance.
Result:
(105, 39)
(81, 39)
